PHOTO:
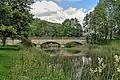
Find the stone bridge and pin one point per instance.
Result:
(62, 42)
(41, 41)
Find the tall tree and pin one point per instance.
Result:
(116, 17)
(15, 13)
(6, 29)
(100, 23)
(74, 27)
(21, 16)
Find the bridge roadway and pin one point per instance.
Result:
(41, 41)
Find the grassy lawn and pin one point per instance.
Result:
(6, 57)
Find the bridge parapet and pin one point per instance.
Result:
(81, 38)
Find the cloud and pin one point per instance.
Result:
(50, 11)
(70, 11)
(45, 8)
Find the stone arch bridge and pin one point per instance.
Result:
(39, 41)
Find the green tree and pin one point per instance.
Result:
(69, 28)
(5, 21)
(99, 24)
(116, 17)
(7, 31)
(15, 13)
(21, 16)
(73, 27)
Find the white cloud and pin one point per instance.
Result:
(50, 11)
(45, 8)
(70, 11)
(79, 14)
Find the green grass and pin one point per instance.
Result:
(33, 63)
(27, 64)
(6, 57)
(105, 51)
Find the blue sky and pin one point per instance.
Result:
(86, 4)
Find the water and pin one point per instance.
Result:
(70, 59)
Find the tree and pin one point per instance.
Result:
(116, 17)
(15, 13)
(5, 22)
(69, 28)
(99, 23)
(21, 16)
(73, 27)
(7, 31)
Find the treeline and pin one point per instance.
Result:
(103, 23)
(69, 28)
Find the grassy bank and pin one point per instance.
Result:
(104, 65)
(33, 64)
(28, 64)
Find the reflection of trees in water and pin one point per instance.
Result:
(73, 44)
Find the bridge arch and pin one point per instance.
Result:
(50, 44)
(73, 44)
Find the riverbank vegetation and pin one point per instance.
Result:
(101, 59)
(32, 63)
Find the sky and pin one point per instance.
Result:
(57, 11)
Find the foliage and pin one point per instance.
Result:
(69, 28)
(100, 24)
(14, 18)
(99, 72)
(33, 65)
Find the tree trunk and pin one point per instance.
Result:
(4, 40)
(106, 35)
(111, 35)
(87, 39)
(95, 38)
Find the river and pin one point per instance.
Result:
(69, 59)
